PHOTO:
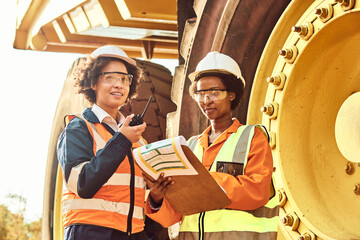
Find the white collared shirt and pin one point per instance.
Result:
(104, 117)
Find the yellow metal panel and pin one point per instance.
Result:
(115, 19)
(69, 23)
(58, 31)
(58, 218)
(53, 10)
(140, 10)
(79, 19)
(85, 25)
(38, 42)
(95, 14)
(27, 20)
(22, 7)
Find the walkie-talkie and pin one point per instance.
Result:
(138, 119)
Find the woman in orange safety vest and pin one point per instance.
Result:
(237, 156)
(104, 190)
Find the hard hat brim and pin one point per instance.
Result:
(128, 60)
(192, 76)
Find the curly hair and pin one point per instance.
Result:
(86, 76)
(231, 82)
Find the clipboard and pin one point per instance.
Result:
(191, 194)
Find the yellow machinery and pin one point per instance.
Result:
(141, 29)
(301, 61)
(316, 71)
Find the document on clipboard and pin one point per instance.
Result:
(164, 156)
(194, 189)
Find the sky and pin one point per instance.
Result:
(30, 85)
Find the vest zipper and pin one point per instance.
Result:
(132, 193)
(201, 225)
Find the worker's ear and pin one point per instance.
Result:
(232, 96)
(93, 87)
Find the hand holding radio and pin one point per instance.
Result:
(134, 126)
(138, 119)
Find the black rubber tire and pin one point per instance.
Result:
(237, 28)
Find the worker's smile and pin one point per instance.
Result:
(209, 110)
(117, 94)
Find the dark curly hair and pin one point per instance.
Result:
(231, 82)
(86, 76)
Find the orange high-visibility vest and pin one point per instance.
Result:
(109, 207)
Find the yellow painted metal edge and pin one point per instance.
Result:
(58, 229)
(27, 23)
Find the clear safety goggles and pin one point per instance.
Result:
(113, 77)
(212, 94)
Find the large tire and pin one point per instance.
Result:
(317, 197)
(157, 82)
(237, 28)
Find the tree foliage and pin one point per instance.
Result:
(13, 226)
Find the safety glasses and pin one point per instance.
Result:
(212, 94)
(113, 77)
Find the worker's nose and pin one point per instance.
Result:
(118, 83)
(207, 99)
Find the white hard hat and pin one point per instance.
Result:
(217, 63)
(113, 51)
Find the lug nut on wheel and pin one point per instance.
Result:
(357, 189)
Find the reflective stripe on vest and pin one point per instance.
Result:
(261, 220)
(120, 179)
(101, 204)
(80, 210)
